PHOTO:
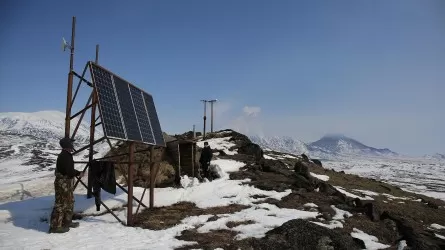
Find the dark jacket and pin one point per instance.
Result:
(65, 165)
(206, 155)
(103, 176)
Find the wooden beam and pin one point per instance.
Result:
(152, 177)
(130, 187)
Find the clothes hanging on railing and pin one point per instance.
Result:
(103, 178)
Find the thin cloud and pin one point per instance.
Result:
(251, 111)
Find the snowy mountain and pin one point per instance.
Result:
(31, 140)
(285, 144)
(342, 145)
(327, 147)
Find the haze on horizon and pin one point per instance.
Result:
(373, 71)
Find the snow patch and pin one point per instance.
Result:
(310, 205)
(366, 192)
(220, 144)
(265, 217)
(341, 190)
(439, 236)
(437, 226)
(332, 224)
(320, 176)
(371, 242)
(402, 244)
(340, 214)
(268, 157)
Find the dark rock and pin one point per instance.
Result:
(390, 224)
(303, 182)
(302, 168)
(414, 234)
(359, 242)
(222, 153)
(430, 203)
(275, 167)
(372, 211)
(327, 216)
(317, 162)
(343, 172)
(251, 149)
(325, 243)
(305, 158)
(327, 188)
(326, 211)
(302, 234)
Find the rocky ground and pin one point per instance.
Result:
(348, 206)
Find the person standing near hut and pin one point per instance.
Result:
(204, 160)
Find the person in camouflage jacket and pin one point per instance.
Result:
(61, 216)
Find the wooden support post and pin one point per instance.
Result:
(179, 164)
(130, 187)
(193, 162)
(91, 150)
(152, 176)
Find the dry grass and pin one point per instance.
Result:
(166, 217)
(215, 239)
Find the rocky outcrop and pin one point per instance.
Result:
(413, 233)
(303, 234)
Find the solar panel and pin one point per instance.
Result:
(111, 115)
(128, 113)
(154, 121)
(142, 115)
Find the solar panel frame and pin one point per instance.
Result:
(148, 135)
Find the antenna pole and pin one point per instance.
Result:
(204, 118)
(211, 115)
(70, 82)
(97, 54)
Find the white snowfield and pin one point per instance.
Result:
(422, 176)
(24, 224)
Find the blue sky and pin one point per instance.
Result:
(372, 70)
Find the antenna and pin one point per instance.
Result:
(65, 44)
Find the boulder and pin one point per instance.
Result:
(302, 168)
(305, 158)
(414, 234)
(253, 149)
(372, 211)
(317, 162)
(275, 167)
(303, 182)
(303, 234)
(327, 188)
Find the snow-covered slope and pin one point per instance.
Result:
(29, 143)
(42, 124)
(285, 144)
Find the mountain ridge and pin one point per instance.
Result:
(330, 145)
